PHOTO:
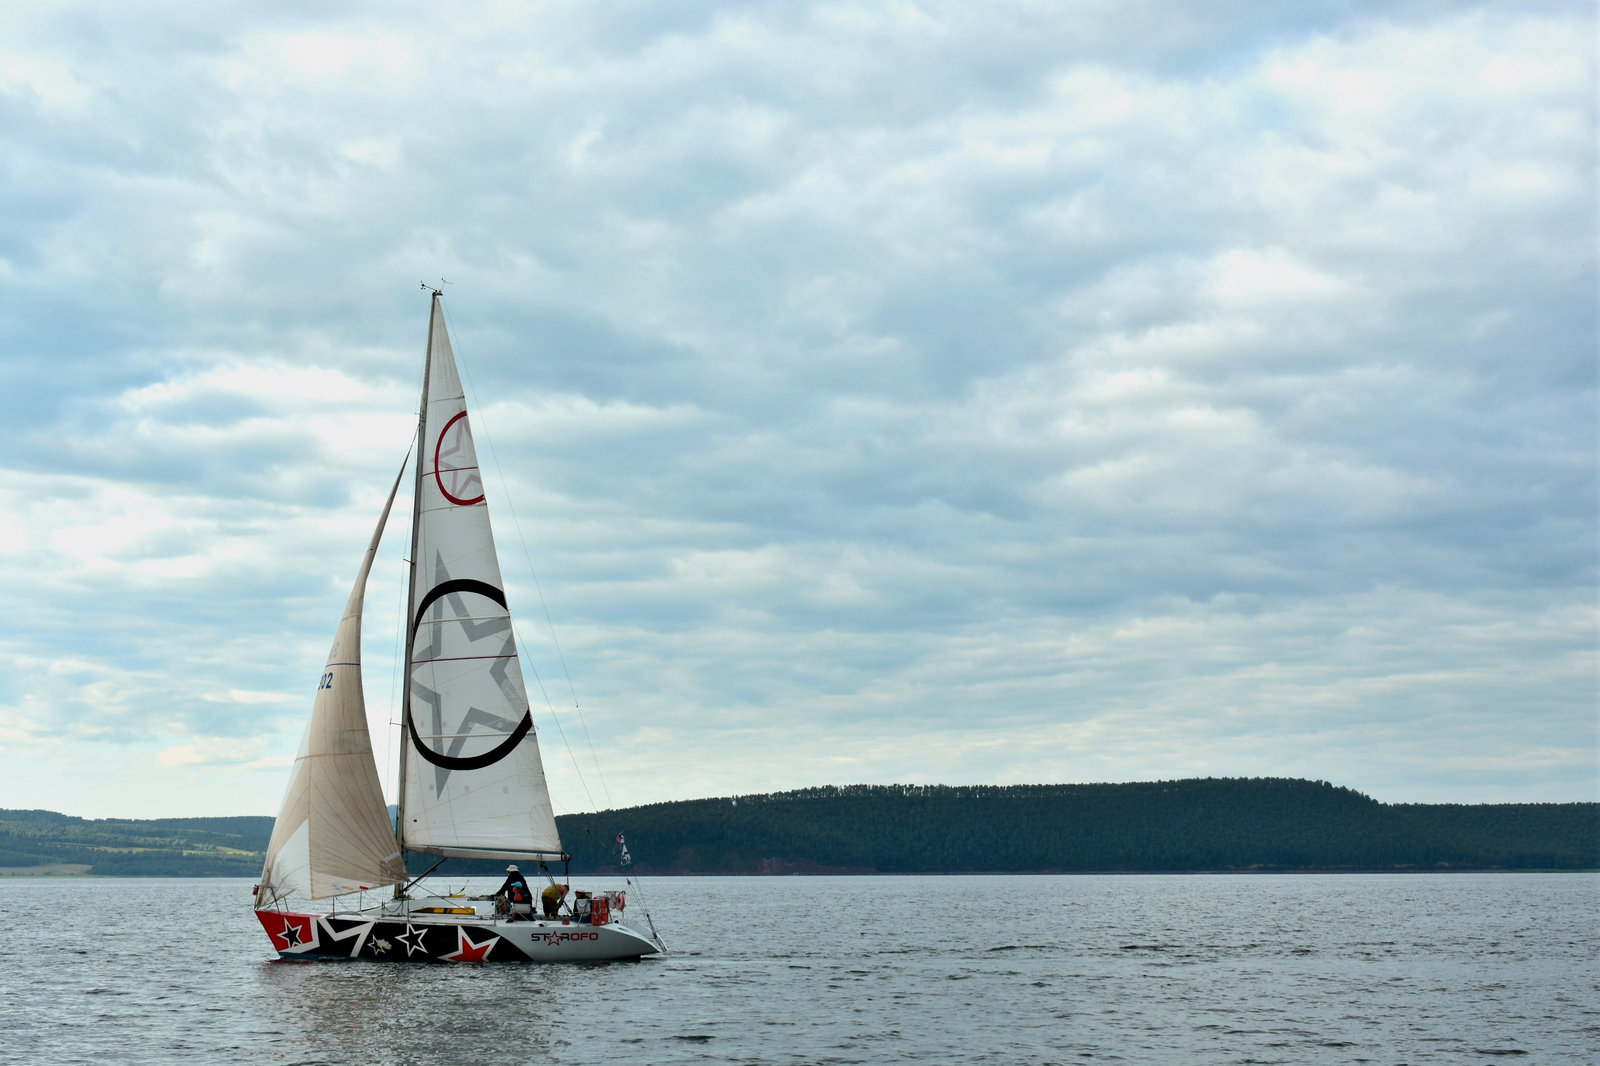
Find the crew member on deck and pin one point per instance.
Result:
(516, 893)
(551, 898)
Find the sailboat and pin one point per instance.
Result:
(471, 784)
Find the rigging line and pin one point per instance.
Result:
(396, 660)
(634, 880)
(539, 589)
(527, 556)
(515, 520)
(551, 707)
(538, 679)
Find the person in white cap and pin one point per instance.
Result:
(516, 893)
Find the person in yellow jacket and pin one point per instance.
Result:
(551, 898)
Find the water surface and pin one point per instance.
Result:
(1008, 969)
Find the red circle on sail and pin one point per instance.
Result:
(437, 448)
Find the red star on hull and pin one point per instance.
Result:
(467, 951)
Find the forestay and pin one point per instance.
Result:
(333, 833)
(473, 784)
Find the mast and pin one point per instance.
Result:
(411, 589)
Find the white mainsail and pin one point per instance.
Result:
(333, 833)
(472, 782)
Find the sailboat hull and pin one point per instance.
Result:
(448, 938)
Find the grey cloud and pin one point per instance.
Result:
(970, 394)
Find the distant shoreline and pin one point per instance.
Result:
(1196, 826)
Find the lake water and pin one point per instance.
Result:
(1139, 969)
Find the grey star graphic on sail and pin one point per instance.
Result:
(489, 638)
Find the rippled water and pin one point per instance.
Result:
(1162, 969)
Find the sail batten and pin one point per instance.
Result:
(489, 853)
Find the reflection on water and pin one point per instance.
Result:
(362, 1011)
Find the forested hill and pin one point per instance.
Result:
(1212, 824)
(47, 842)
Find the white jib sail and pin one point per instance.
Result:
(474, 785)
(333, 833)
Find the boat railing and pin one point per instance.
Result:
(586, 908)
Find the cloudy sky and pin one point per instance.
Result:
(899, 391)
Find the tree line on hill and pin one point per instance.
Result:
(1209, 824)
(1163, 826)
(157, 847)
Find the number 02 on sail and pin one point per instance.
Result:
(471, 783)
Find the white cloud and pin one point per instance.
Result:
(213, 751)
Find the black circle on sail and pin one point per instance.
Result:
(505, 747)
